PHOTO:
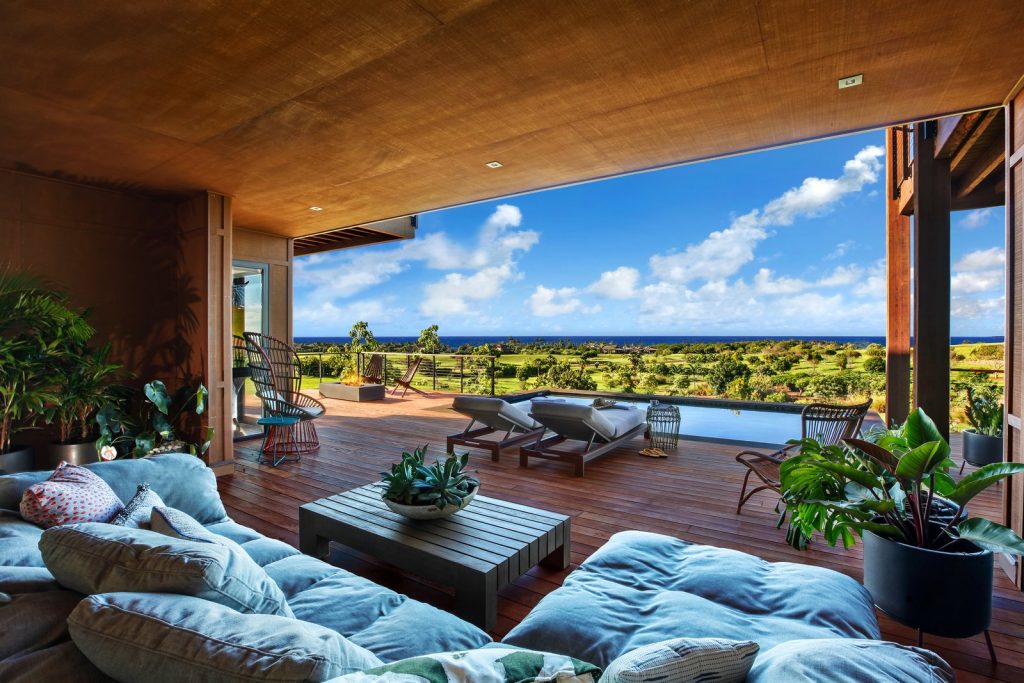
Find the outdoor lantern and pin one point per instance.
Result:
(663, 425)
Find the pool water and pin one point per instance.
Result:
(727, 424)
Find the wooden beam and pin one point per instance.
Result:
(931, 277)
(986, 121)
(953, 130)
(988, 163)
(1013, 396)
(897, 282)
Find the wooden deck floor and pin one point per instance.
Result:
(691, 495)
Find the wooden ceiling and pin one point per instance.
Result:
(382, 108)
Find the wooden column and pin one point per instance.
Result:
(205, 276)
(1013, 491)
(931, 277)
(897, 283)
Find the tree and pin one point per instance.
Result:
(429, 341)
(362, 337)
(725, 371)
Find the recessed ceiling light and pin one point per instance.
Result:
(850, 81)
(316, 208)
(494, 164)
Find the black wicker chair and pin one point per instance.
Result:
(277, 374)
(827, 424)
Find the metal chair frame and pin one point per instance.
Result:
(277, 374)
(827, 424)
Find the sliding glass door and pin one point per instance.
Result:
(248, 314)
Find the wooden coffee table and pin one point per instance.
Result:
(477, 551)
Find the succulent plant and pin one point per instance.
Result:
(412, 482)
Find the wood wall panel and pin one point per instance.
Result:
(276, 252)
(1013, 492)
(206, 222)
(116, 253)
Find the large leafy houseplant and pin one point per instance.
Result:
(896, 485)
(153, 421)
(445, 483)
(984, 411)
(38, 330)
(86, 385)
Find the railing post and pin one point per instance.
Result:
(433, 369)
(384, 369)
(462, 375)
(492, 375)
(320, 366)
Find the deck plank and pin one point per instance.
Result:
(691, 495)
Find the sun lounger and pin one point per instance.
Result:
(601, 430)
(494, 415)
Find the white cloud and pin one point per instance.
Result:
(840, 250)
(330, 317)
(977, 218)
(546, 302)
(982, 259)
(490, 261)
(617, 284)
(723, 252)
(967, 308)
(976, 282)
(816, 196)
(842, 276)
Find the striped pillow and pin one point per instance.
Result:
(683, 660)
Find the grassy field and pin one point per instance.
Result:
(761, 371)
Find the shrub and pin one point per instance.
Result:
(725, 371)
(988, 352)
(874, 364)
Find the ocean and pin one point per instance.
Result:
(456, 341)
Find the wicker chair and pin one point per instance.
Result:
(289, 413)
(827, 424)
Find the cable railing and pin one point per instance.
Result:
(443, 372)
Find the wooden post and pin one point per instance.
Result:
(1013, 491)
(897, 283)
(931, 277)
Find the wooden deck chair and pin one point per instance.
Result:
(494, 415)
(405, 381)
(826, 424)
(600, 430)
(373, 372)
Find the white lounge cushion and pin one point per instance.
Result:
(576, 421)
(496, 413)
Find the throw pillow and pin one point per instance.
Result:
(156, 638)
(139, 509)
(850, 660)
(103, 558)
(486, 665)
(172, 522)
(684, 660)
(71, 495)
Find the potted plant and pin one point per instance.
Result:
(419, 491)
(150, 423)
(37, 328)
(85, 385)
(926, 562)
(983, 443)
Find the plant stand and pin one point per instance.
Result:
(279, 440)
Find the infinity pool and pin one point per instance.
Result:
(702, 421)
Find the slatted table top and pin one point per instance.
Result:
(488, 534)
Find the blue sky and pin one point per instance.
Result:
(788, 241)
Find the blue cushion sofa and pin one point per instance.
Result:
(639, 588)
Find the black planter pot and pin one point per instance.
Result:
(19, 459)
(980, 449)
(72, 453)
(945, 593)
